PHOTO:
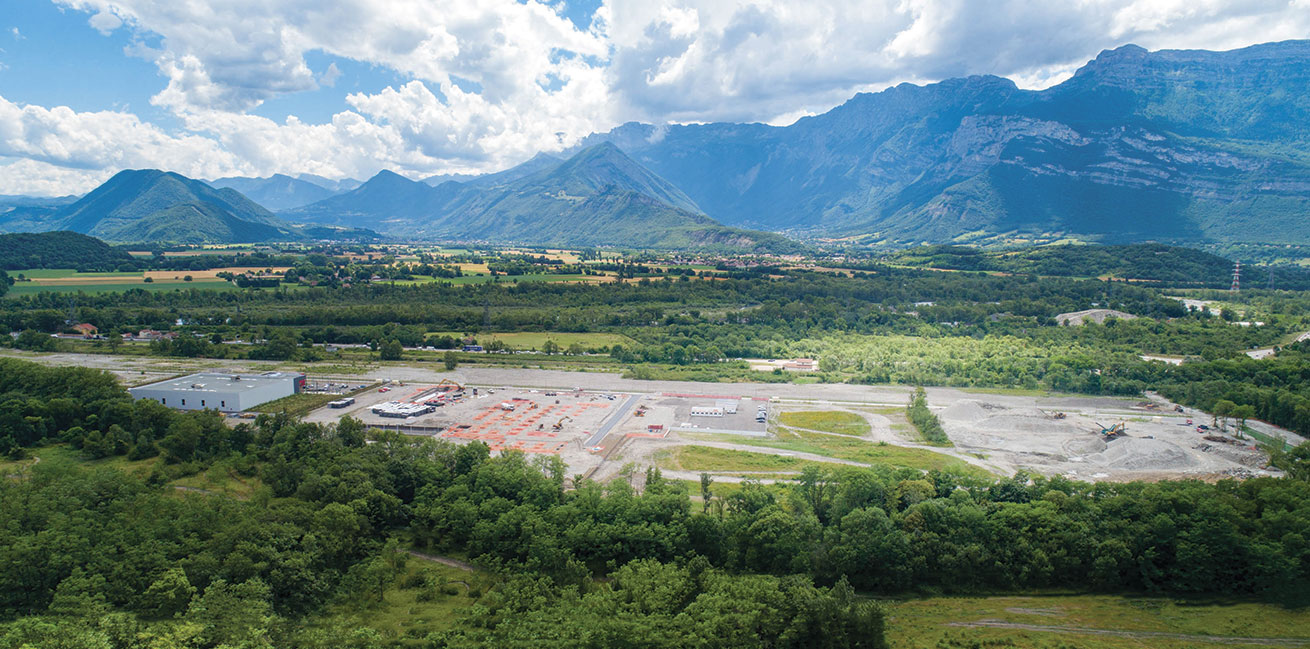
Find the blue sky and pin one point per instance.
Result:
(344, 88)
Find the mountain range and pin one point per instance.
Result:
(1169, 145)
(597, 197)
(152, 205)
(1175, 146)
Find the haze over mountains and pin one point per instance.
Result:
(1179, 146)
(277, 192)
(599, 196)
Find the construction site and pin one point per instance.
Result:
(1142, 440)
(599, 423)
(584, 427)
(597, 432)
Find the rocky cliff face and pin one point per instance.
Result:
(1171, 145)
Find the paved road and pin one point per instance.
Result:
(613, 421)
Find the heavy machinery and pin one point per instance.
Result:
(447, 385)
(559, 425)
(1113, 432)
(1054, 415)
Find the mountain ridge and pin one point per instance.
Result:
(598, 196)
(1134, 145)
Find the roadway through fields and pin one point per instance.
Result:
(594, 440)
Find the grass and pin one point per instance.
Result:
(401, 616)
(506, 279)
(923, 622)
(535, 339)
(222, 479)
(299, 405)
(62, 455)
(707, 458)
(1270, 441)
(32, 288)
(829, 421)
(219, 478)
(724, 489)
(858, 450)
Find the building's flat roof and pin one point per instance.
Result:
(217, 381)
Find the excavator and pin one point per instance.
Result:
(1054, 415)
(1113, 432)
(559, 425)
(448, 385)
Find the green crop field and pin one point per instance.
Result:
(29, 288)
(502, 279)
(828, 421)
(1056, 621)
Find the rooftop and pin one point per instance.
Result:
(214, 381)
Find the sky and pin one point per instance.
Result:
(346, 88)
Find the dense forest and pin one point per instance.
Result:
(1152, 262)
(22, 251)
(115, 561)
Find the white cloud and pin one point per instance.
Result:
(104, 139)
(489, 83)
(105, 22)
(27, 177)
(330, 75)
(18, 36)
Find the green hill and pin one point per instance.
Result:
(153, 205)
(1146, 262)
(61, 249)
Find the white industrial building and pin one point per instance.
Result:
(706, 411)
(224, 392)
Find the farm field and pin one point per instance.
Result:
(1089, 622)
(32, 288)
(68, 280)
(505, 279)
